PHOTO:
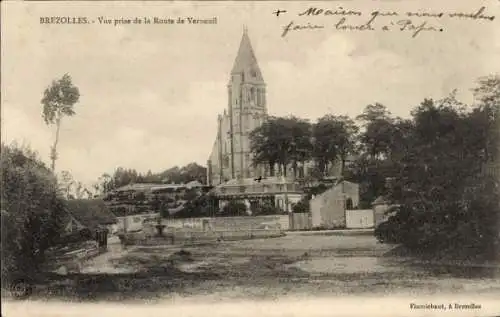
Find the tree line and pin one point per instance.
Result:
(290, 141)
(332, 141)
(124, 176)
(440, 166)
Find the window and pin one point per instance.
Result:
(252, 94)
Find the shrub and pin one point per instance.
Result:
(267, 209)
(301, 207)
(203, 206)
(234, 208)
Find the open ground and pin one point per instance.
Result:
(294, 265)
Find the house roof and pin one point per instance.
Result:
(154, 187)
(193, 184)
(136, 186)
(380, 201)
(253, 182)
(90, 212)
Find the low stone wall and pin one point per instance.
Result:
(182, 236)
(230, 223)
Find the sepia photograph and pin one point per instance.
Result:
(242, 158)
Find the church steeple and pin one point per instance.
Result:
(246, 63)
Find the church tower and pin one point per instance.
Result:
(247, 107)
(231, 157)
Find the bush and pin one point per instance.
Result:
(466, 228)
(234, 208)
(31, 209)
(205, 205)
(389, 231)
(266, 210)
(301, 207)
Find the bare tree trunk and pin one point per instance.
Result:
(53, 155)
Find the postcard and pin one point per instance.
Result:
(274, 158)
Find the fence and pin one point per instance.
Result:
(359, 219)
(300, 221)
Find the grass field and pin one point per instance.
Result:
(294, 265)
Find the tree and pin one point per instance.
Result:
(345, 139)
(185, 174)
(300, 145)
(488, 95)
(370, 174)
(281, 141)
(334, 139)
(374, 112)
(378, 128)
(58, 101)
(449, 205)
(31, 209)
(66, 184)
(264, 144)
(105, 184)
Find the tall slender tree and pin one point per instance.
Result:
(58, 101)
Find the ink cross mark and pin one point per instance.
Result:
(278, 12)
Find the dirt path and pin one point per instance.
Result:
(103, 263)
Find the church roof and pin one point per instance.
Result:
(245, 61)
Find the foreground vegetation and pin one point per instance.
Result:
(31, 209)
(440, 166)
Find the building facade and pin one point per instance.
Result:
(231, 157)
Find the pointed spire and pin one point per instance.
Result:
(246, 62)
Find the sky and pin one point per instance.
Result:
(150, 94)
